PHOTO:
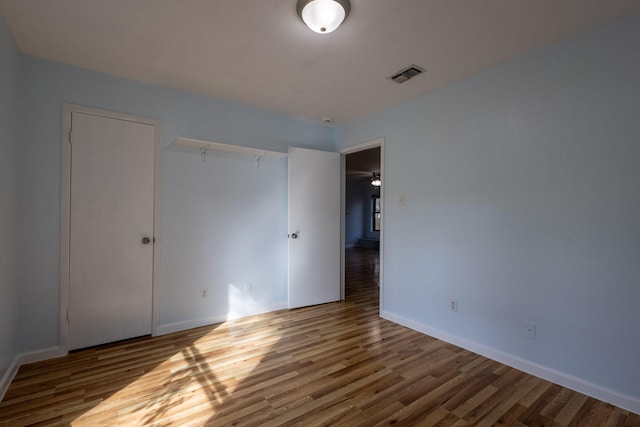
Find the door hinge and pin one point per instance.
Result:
(67, 314)
(69, 137)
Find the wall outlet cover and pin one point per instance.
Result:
(530, 330)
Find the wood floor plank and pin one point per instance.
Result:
(569, 411)
(335, 364)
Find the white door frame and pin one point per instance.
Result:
(65, 211)
(343, 179)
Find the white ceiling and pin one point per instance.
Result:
(258, 52)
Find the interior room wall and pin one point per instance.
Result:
(355, 210)
(223, 221)
(226, 230)
(359, 212)
(9, 198)
(521, 201)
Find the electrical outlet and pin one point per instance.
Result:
(453, 305)
(530, 330)
(204, 293)
(248, 288)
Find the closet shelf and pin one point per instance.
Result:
(209, 145)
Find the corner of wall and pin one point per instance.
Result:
(7, 377)
(10, 218)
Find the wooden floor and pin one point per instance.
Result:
(336, 364)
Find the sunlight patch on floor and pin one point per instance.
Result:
(195, 381)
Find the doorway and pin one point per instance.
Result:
(109, 231)
(363, 219)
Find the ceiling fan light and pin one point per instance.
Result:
(323, 16)
(376, 181)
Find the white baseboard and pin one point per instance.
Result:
(40, 355)
(205, 321)
(574, 383)
(8, 376)
(23, 359)
(170, 328)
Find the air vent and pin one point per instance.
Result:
(406, 74)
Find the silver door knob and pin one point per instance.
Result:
(146, 240)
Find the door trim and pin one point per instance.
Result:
(65, 211)
(343, 190)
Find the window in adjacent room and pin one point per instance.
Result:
(375, 213)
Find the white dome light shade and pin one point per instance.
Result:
(323, 16)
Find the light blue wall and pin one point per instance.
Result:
(223, 221)
(359, 213)
(225, 225)
(355, 209)
(9, 197)
(522, 189)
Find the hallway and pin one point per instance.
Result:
(362, 271)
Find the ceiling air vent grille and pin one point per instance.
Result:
(406, 74)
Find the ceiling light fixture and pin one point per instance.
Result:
(323, 16)
(376, 181)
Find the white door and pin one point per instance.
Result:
(111, 231)
(314, 227)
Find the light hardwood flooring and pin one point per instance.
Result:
(335, 364)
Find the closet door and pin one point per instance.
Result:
(111, 230)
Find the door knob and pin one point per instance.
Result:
(294, 235)
(146, 240)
